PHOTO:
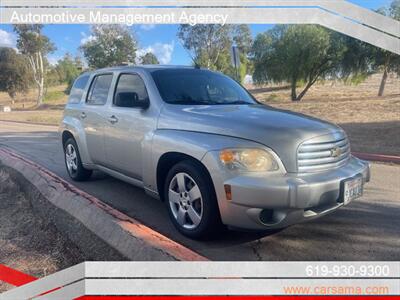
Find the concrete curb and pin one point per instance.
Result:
(126, 235)
(378, 157)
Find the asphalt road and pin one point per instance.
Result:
(367, 229)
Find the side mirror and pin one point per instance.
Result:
(131, 99)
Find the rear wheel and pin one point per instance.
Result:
(73, 162)
(191, 200)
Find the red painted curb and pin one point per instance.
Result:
(14, 277)
(378, 157)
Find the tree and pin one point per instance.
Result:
(296, 54)
(357, 61)
(149, 59)
(206, 42)
(78, 63)
(68, 69)
(65, 71)
(260, 51)
(109, 45)
(14, 76)
(209, 45)
(35, 46)
(242, 38)
(385, 60)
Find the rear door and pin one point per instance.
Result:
(93, 115)
(127, 127)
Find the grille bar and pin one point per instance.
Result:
(322, 146)
(308, 162)
(323, 153)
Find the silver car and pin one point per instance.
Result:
(202, 144)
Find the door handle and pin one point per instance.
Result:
(113, 119)
(83, 115)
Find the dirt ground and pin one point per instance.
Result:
(372, 122)
(24, 107)
(28, 242)
(55, 98)
(340, 103)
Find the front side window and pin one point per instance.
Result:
(196, 86)
(130, 88)
(77, 89)
(99, 89)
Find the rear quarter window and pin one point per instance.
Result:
(77, 89)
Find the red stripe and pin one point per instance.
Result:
(14, 277)
(378, 157)
(236, 297)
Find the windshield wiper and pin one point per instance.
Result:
(190, 102)
(205, 102)
(238, 102)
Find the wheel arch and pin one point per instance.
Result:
(167, 161)
(66, 135)
(72, 127)
(167, 147)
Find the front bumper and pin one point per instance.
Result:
(263, 201)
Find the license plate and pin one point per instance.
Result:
(352, 189)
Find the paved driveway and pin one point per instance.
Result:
(367, 229)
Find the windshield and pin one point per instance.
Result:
(196, 86)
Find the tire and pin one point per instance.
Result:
(73, 162)
(191, 201)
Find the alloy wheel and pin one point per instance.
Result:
(71, 159)
(185, 200)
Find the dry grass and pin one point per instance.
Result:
(42, 116)
(29, 243)
(24, 108)
(340, 103)
(55, 99)
(373, 123)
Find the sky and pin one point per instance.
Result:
(158, 39)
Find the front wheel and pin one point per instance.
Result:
(191, 200)
(73, 162)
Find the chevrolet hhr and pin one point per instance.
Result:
(199, 142)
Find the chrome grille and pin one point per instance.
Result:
(323, 153)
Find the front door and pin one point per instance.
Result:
(127, 127)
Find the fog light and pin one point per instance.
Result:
(228, 191)
(266, 216)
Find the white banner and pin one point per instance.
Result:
(215, 278)
(337, 15)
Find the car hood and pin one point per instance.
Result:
(282, 131)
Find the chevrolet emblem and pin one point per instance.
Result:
(335, 152)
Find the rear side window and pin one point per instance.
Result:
(127, 85)
(77, 89)
(99, 89)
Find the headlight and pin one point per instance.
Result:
(253, 160)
